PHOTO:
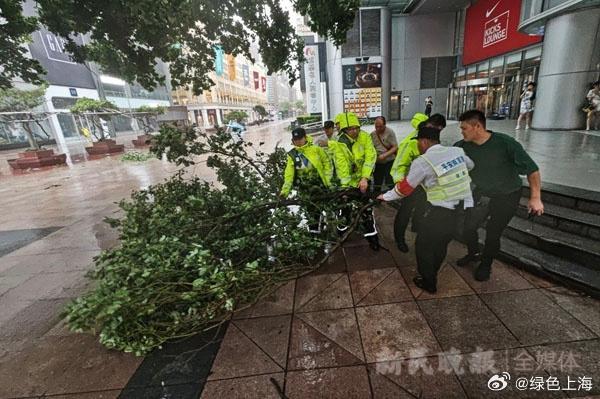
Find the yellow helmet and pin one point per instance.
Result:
(347, 119)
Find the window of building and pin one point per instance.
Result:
(351, 48)
(471, 72)
(483, 70)
(496, 65)
(513, 63)
(370, 22)
(436, 72)
(364, 38)
(67, 125)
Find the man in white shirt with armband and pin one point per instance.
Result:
(444, 174)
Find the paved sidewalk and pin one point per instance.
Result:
(359, 328)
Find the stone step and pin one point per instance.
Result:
(568, 197)
(583, 250)
(549, 266)
(566, 219)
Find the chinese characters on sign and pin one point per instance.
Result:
(362, 89)
(312, 79)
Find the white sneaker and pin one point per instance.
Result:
(518, 127)
(527, 127)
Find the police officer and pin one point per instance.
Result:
(407, 153)
(307, 166)
(444, 174)
(355, 167)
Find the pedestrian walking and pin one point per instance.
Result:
(526, 107)
(593, 107)
(443, 174)
(499, 162)
(428, 105)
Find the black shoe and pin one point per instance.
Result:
(419, 282)
(483, 271)
(469, 258)
(373, 243)
(402, 247)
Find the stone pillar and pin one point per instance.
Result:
(335, 89)
(569, 61)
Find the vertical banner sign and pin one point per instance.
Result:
(218, 60)
(256, 80)
(312, 79)
(362, 89)
(246, 75)
(263, 83)
(231, 67)
(491, 28)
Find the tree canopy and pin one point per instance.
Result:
(127, 38)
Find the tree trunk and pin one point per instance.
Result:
(32, 142)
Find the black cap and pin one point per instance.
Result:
(298, 133)
(428, 133)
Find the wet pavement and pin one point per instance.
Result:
(354, 329)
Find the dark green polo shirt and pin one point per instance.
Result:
(498, 164)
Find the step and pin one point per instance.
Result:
(565, 245)
(549, 266)
(565, 219)
(568, 197)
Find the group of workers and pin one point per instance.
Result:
(478, 176)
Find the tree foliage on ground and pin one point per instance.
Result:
(235, 116)
(23, 103)
(191, 252)
(127, 37)
(95, 111)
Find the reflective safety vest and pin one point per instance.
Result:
(306, 163)
(363, 158)
(450, 167)
(408, 150)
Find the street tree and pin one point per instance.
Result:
(261, 111)
(236, 116)
(95, 111)
(17, 107)
(128, 37)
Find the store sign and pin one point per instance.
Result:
(312, 79)
(256, 80)
(491, 29)
(263, 83)
(362, 89)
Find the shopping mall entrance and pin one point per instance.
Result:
(494, 86)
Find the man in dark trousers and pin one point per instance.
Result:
(499, 160)
(443, 172)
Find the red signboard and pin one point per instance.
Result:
(491, 29)
(256, 80)
(263, 83)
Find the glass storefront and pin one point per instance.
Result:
(495, 85)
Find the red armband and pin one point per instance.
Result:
(404, 188)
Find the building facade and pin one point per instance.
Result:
(239, 85)
(465, 55)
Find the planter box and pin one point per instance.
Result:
(143, 140)
(37, 159)
(105, 147)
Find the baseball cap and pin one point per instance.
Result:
(298, 133)
(428, 133)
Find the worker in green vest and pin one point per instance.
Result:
(359, 165)
(308, 166)
(443, 172)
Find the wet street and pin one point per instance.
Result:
(352, 329)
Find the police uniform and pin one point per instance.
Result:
(443, 172)
(356, 162)
(307, 167)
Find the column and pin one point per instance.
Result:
(334, 79)
(569, 60)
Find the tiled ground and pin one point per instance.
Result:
(356, 328)
(359, 328)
